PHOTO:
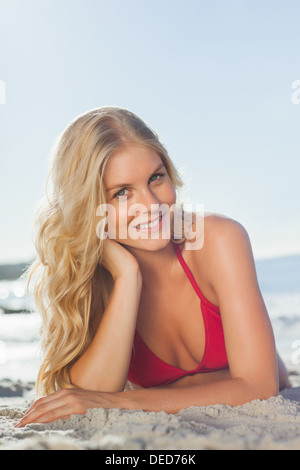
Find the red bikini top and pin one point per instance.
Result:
(148, 370)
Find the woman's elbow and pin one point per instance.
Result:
(268, 392)
(90, 384)
(265, 390)
(75, 380)
(253, 390)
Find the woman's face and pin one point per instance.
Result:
(139, 193)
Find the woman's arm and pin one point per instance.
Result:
(104, 365)
(248, 333)
(64, 403)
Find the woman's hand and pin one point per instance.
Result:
(118, 260)
(64, 403)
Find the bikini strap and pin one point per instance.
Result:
(189, 273)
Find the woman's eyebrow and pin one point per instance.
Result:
(121, 185)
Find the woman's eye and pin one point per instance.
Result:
(153, 178)
(156, 177)
(121, 193)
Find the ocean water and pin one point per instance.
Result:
(19, 333)
(279, 281)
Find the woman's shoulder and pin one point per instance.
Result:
(225, 254)
(225, 240)
(213, 228)
(219, 227)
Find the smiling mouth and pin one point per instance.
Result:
(150, 224)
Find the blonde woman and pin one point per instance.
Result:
(146, 320)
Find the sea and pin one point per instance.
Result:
(279, 280)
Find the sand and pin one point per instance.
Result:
(272, 424)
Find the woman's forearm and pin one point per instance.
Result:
(64, 403)
(234, 392)
(104, 365)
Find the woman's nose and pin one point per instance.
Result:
(148, 199)
(146, 204)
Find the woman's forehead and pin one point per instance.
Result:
(132, 161)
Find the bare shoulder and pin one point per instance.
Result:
(226, 250)
(222, 230)
(218, 232)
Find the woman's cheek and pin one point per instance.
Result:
(169, 194)
(122, 220)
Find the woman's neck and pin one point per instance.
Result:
(155, 265)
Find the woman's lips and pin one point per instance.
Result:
(153, 226)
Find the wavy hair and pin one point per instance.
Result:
(71, 287)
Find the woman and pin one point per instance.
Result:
(141, 320)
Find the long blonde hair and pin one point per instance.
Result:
(71, 288)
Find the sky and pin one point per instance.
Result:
(214, 78)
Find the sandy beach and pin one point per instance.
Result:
(272, 424)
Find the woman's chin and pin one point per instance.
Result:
(149, 244)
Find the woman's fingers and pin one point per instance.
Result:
(60, 405)
(51, 408)
(41, 401)
(43, 415)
